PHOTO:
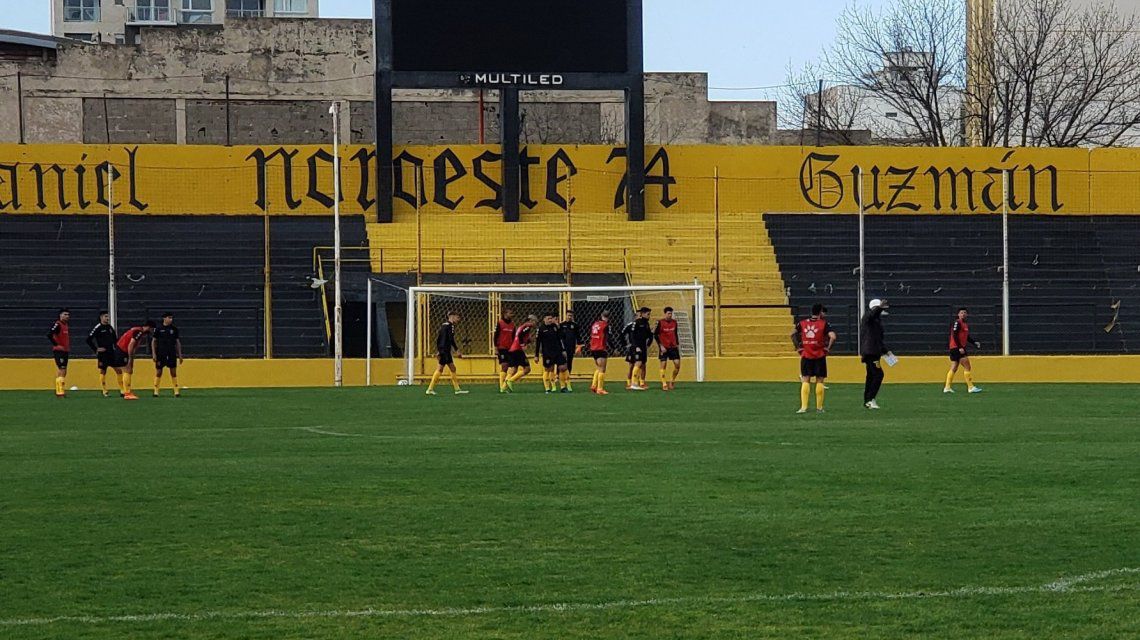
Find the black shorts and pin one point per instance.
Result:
(117, 358)
(106, 359)
(813, 368)
(504, 355)
(60, 358)
(446, 358)
(569, 360)
(166, 361)
(635, 357)
(870, 359)
(670, 354)
(556, 360)
(599, 354)
(517, 359)
(955, 356)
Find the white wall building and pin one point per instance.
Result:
(118, 21)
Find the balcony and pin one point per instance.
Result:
(245, 13)
(151, 16)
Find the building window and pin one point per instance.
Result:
(150, 11)
(245, 8)
(892, 114)
(120, 38)
(300, 7)
(197, 11)
(81, 10)
(86, 37)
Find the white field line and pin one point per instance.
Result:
(1071, 584)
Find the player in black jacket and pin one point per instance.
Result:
(549, 350)
(571, 344)
(445, 344)
(638, 336)
(102, 342)
(871, 349)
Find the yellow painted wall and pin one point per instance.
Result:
(39, 373)
(460, 181)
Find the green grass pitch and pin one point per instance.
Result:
(711, 512)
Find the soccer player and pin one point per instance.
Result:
(638, 337)
(665, 333)
(444, 345)
(571, 344)
(166, 349)
(60, 337)
(125, 354)
(517, 359)
(959, 340)
(871, 349)
(102, 341)
(549, 351)
(599, 351)
(813, 338)
(502, 338)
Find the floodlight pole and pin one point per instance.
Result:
(1005, 262)
(368, 338)
(112, 294)
(338, 318)
(862, 257)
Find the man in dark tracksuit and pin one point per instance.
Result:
(871, 349)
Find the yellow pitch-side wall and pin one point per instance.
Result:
(465, 179)
(195, 374)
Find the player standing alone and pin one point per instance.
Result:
(166, 349)
(125, 353)
(599, 351)
(813, 339)
(503, 337)
(665, 333)
(102, 341)
(571, 344)
(549, 351)
(60, 336)
(959, 340)
(444, 345)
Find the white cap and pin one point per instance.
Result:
(876, 303)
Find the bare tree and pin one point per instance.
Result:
(1062, 76)
(1054, 75)
(833, 113)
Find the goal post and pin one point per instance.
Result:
(480, 307)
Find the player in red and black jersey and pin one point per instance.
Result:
(60, 336)
(665, 333)
(959, 340)
(599, 351)
(813, 338)
(502, 338)
(516, 356)
(125, 353)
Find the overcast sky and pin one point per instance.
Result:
(741, 43)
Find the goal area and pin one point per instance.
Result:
(480, 308)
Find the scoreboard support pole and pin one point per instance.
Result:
(509, 125)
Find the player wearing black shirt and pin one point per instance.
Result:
(166, 350)
(102, 341)
(549, 349)
(571, 344)
(638, 336)
(444, 345)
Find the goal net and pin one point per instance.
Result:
(480, 308)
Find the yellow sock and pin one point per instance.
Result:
(664, 380)
(969, 379)
(103, 381)
(434, 380)
(122, 379)
(518, 375)
(676, 372)
(58, 386)
(949, 379)
(820, 390)
(157, 384)
(502, 379)
(805, 395)
(126, 383)
(601, 381)
(565, 379)
(454, 380)
(177, 389)
(629, 379)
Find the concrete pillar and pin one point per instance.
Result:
(180, 120)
